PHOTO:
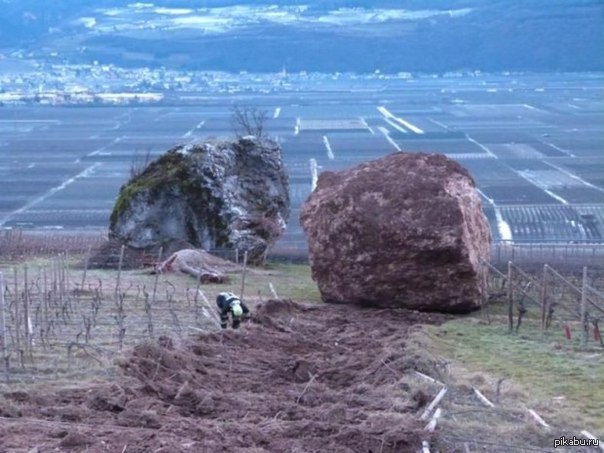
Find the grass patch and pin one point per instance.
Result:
(565, 378)
(294, 282)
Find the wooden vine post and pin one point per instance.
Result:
(26, 320)
(243, 275)
(17, 316)
(510, 298)
(119, 271)
(3, 341)
(157, 272)
(544, 299)
(584, 325)
(86, 263)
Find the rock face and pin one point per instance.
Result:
(406, 230)
(211, 194)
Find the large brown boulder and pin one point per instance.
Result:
(406, 230)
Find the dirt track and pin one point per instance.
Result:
(300, 378)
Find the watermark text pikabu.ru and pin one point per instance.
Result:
(575, 442)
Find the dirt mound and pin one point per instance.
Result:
(107, 255)
(299, 377)
(199, 264)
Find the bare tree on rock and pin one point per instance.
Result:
(248, 121)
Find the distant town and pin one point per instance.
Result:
(105, 84)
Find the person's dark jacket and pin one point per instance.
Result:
(229, 303)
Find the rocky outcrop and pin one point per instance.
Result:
(231, 194)
(406, 230)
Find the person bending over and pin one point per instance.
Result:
(229, 303)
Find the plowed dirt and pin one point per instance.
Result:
(298, 378)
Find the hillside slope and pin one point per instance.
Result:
(357, 36)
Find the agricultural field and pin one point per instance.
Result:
(533, 143)
(133, 361)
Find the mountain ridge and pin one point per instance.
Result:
(355, 36)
